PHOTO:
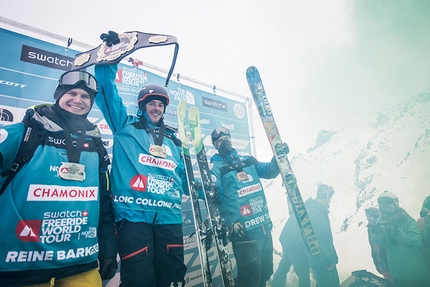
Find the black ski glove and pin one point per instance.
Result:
(391, 229)
(285, 147)
(110, 38)
(238, 229)
(376, 229)
(282, 148)
(108, 268)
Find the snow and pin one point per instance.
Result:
(384, 151)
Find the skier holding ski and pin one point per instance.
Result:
(148, 180)
(244, 209)
(56, 212)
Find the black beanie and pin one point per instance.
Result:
(61, 90)
(324, 191)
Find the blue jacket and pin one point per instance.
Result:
(145, 188)
(53, 227)
(243, 200)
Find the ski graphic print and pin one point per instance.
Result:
(259, 94)
(212, 198)
(201, 228)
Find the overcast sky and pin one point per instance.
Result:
(323, 63)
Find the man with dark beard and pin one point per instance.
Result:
(244, 208)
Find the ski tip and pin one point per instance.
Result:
(194, 109)
(251, 69)
(182, 104)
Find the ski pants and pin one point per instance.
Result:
(325, 277)
(254, 260)
(411, 283)
(151, 255)
(280, 276)
(86, 279)
(299, 261)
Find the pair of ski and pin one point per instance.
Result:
(211, 230)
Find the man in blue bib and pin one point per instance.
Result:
(148, 180)
(56, 213)
(244, 208)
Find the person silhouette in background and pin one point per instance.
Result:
(323, 264)
(398, 231)
(424, 228)
(293, 254)
(378, 252)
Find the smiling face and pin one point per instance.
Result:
(76, 101)
(154, 109)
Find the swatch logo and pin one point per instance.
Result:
(214, 104)
(46, 58)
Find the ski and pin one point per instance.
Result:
(212, 198)
(261, 101)
(201, 228)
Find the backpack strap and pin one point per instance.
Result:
(32, 138)
(104, 160)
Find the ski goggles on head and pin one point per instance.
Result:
(73, 78)
(219, 132)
